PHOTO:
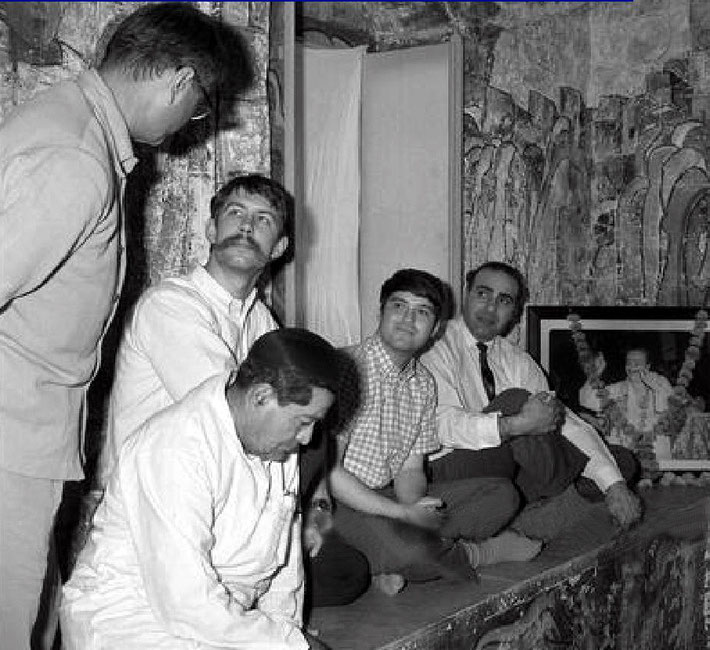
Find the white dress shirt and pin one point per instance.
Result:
(195, 545)
(461, 397)
(181, 332)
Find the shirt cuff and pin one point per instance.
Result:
(603, 474)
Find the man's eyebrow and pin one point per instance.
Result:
(241, 204)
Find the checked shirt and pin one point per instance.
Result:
(395, 416)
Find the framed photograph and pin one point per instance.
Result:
(663, 331)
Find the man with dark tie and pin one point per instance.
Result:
(495, 414)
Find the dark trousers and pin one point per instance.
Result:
(476, 508)
(539, 472)
(338, 575)
(540, 466)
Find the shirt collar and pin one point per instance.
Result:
(470, 340)
(218, 294)
(383, 362)
(102, 101)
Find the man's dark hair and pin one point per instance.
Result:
(257, 185)
(292, 361)
(523, 292)
(421, 284)
(165, 35)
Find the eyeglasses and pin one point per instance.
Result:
(204, 106)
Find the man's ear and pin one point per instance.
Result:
(211, 230)
(261, 394)
(181, 81)
(279, 248)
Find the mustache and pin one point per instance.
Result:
(236, 239)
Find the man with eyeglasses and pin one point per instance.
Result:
(64, 159)
(496, 417)
(407, 529)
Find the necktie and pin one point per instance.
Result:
(489, 383)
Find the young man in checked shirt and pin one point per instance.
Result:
(386, 429)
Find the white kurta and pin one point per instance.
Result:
(195, 545)
(461, 398)
(181, 332)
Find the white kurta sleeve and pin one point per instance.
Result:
(170, 511)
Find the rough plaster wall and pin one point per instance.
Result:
(585, 138)
(607, 239)
(169, 192)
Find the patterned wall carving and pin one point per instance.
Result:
(585, 138)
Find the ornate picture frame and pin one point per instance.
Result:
(665, 331)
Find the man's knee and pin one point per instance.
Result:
(504, 503)
(479, 508)
(338, 575)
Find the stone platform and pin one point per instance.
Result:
(591, 588)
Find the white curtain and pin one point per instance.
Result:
(328, 254)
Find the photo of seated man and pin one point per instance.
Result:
(642, 397)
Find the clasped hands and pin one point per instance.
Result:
(541, 414)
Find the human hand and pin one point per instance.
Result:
(312, 540)
(560, 410)
(539, 416)
(427, 513)
(599, 364)
(651, 379)
(318, 522)
(432, 503)
(624, 506)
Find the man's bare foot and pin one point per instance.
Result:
(389, 583)
(623, 504)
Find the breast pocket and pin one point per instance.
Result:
(276, 528)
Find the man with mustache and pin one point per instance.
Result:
(189, 328)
